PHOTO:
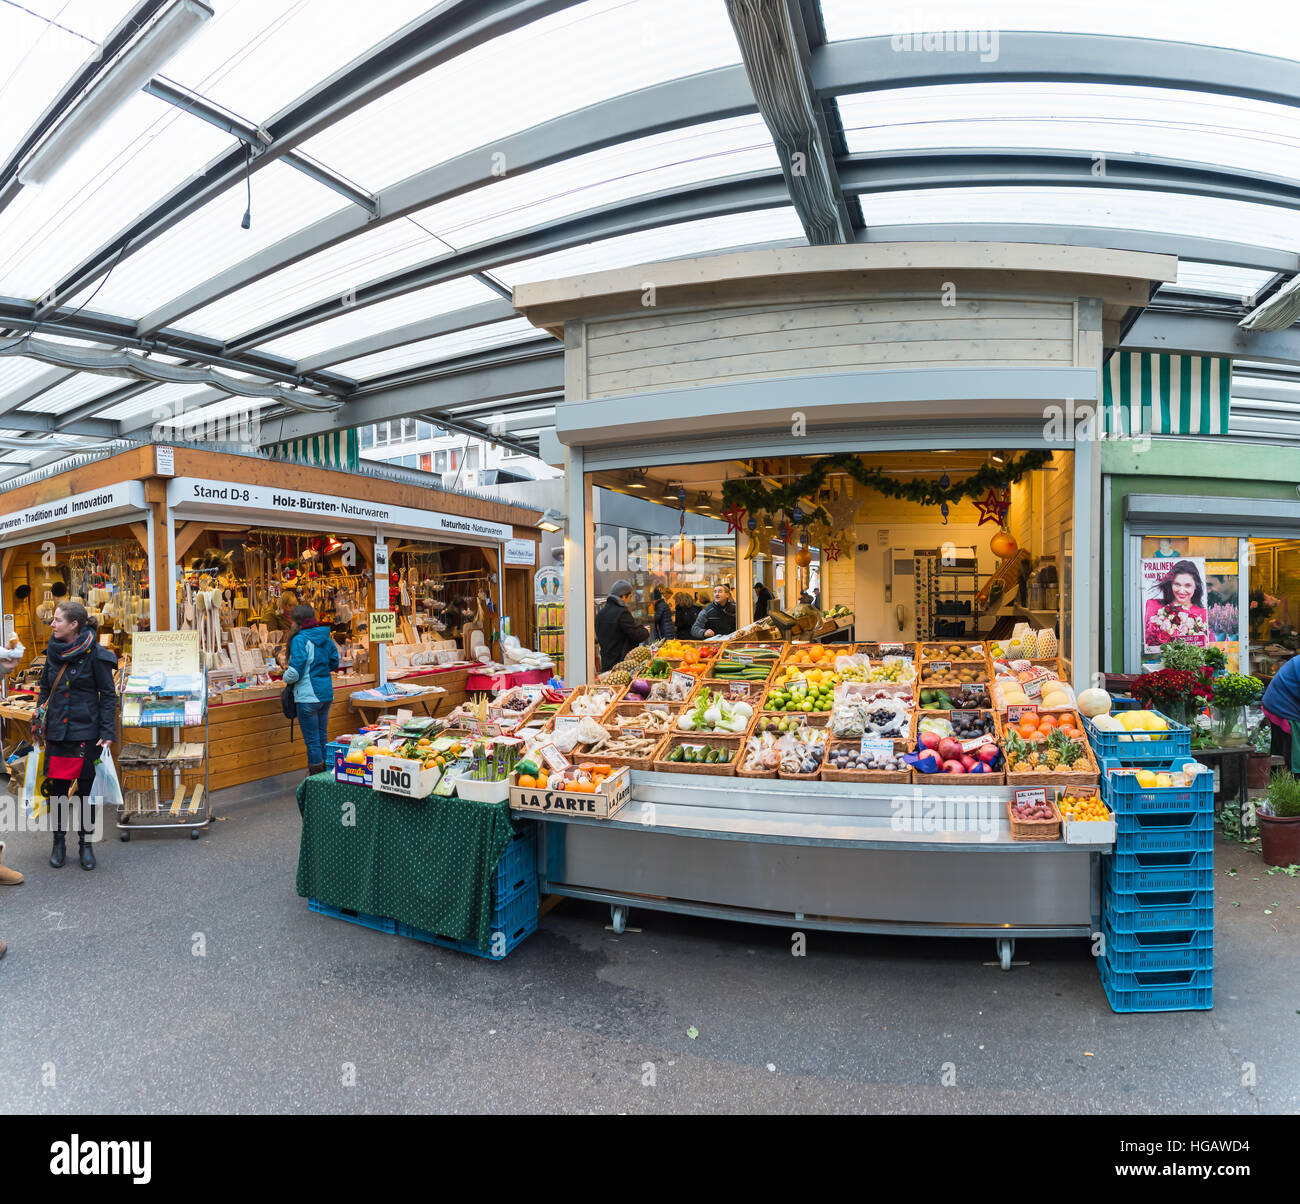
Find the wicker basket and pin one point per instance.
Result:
(917, 716)
(810, 719)
(1074, 777)
(797, 654)
(639, 708)
(750, 773)
(645, 761)
(860, 775)
(566, 707)
(757, 690)
(663, 765)
(873, 649)
(1035, 829)
(804, 777)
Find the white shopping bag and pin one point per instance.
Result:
(35, 800)
(107, 789)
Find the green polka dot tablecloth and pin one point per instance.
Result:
(427, 862)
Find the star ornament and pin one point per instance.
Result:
(993, 507)
(735, 516)
(831, 550)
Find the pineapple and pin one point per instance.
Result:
(619, 677)
(1066, 752)
(639, 655)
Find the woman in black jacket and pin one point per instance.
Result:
(665, 626)
(80, 719)
(686, 614)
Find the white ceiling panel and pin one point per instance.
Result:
(447, 346)
(76, 390)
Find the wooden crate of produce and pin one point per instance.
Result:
(733, 744)
(616, 695)
(1034, 829)
(830, 774)
(641, 759)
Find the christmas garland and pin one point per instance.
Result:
(753, 495)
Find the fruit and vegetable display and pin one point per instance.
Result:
(749, 692)
(948, 755)
(593, 702)
(658, 667)
(1019, 682)
(801, 752)
(967, 725)
(958, 654)
(778, 724)
(878, 713)
(1131, 725)
(616, 744)
(801, 694)
(550, 702)
(712, 713)
(629, 667)
(577, 779)
(761, 755)
(848, 760)
(941, 700)
(638, 687)
(647, 718)
(744, 666)
(669, 691)
(896, 669)
(673, 649)
(817, 654)
(701, 754)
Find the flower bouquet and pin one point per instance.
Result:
(1231, 693)
(1173, 622)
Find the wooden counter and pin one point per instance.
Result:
(249, 738)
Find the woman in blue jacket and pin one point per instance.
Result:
(313, 656)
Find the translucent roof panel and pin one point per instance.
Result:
(382, 317)
(210, 240)
(77, 389)
(324, 276)
(1084, 118)
(1264, 28)
(17, 370)
(675, 159)
(701, 237)
(267, 53)
(555, 65)
(447, 346)
(146, 147)
(162, 398)
(1219, 279)
(1195, 216)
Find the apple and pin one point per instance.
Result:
(953, 767)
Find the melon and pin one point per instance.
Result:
(1093, 703)
(1104, 723)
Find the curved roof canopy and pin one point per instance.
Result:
(404, 165)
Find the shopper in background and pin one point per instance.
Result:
(80, 697)
(9, 658)
(665, 626)
(617, 632)
(719, 617)
(762, 600)
(686, 613)
(313, 656)
(1282, 710)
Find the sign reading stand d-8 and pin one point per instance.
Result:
(383, 626)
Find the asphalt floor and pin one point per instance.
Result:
(187, 976)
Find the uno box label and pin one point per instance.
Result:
(1031, 796)
(409, 779)
(612, 795)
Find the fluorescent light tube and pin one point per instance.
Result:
(119, 82)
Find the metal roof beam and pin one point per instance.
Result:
(450, 29)
(774, 45)
(41, 424)
(1207, 334)
(877, 64)
(426, 399)
(981, 168)
(1185, 246)
(709, 96)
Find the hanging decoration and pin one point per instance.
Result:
(842, 512)
(735, 516)
(1003, 545)
(783, 532)
(760, 534)
(831, 550)
(993, 506)
(753, 495)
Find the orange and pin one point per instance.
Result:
(525, 780)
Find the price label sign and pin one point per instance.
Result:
(794, 681)
(941, 666)
(740, 659)
(553, 757)
(383, 627)
(660, 707)
(739, 687)
(634, 733)
(892, 649)
(874, 746)
(564, 723)
(969, 746)
(972, 691)
(1031, 797)
(1014, 712)
(680, 680)
(957, 716)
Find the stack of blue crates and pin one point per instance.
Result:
(1158, 887)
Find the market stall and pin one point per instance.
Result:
(910, 417)
(238, 541)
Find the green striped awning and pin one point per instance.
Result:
(338, 449)
(1153, 393)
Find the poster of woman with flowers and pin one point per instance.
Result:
(1175, 602)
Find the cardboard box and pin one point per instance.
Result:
(353, 773)
(614, 792)
(409, 779)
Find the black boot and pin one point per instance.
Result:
(315, 769)
(87, 853)
(60, 850)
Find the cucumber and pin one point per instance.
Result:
(677, 754)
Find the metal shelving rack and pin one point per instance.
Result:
(145, 768)
(556, 632)
(947, 589)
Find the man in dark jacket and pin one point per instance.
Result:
(719, 617)
(616, 631)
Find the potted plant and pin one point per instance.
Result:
(1231, 694)
(1178, 693)
(1279, 820)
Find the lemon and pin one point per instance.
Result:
(1147, 780)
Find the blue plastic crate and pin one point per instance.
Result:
(1190, 877)
(517, 869)
(1125, 748)
(1122, 702)
(1164, 831)
(1121, 792)
(512, 923)
(378, 923)
(1157, 990)
(1187, 949)
(1156, 910)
